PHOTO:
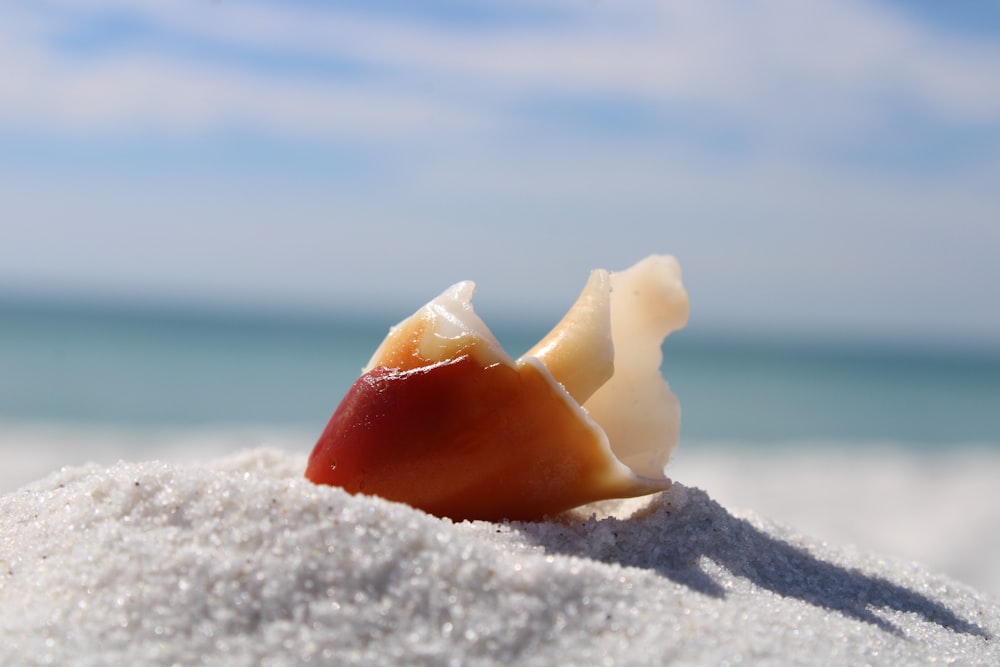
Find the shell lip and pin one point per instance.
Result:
(399, 373)
(626, 480)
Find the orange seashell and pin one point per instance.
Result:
(444, 420)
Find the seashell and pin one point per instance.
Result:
(442, 418)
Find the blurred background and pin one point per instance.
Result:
(210, 213)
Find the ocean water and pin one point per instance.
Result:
(149, 367)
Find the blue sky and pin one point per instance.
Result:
(825, 168)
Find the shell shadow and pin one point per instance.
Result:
(679, 528)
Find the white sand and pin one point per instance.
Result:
(242, 562)
(940, 507)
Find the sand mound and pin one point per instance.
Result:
(241, 561)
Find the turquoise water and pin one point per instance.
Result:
(150, 367)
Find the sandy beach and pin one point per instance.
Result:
(494, 260)
(239, 560)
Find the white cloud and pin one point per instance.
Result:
(475, 187)
(153, 90)
(784, 69)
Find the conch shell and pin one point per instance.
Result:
(444, 420)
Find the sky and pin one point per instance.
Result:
(826, 168)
